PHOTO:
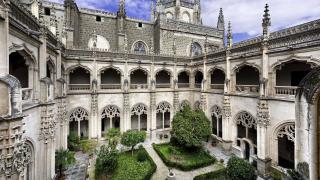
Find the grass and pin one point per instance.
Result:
(215, 175)
(130, 168)
(183, 159)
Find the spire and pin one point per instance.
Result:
(220, 24)
(122, 8)
(229, 36)
(266, 23)
(152, 11)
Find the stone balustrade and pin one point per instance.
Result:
(250, 89)
(163, 85)
(197, 85)
(110, 86)
(286, 90)
(139, 86)
(217, 86)
(183, 85)
(79, 87)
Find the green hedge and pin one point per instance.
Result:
(220, 174)
(184, 167)
(153, 166)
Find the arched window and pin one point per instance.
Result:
(139, 79)
(183, 80)
(79, 122)
(110, 79)
(139, 116)
(18, 68)
(163, 115)
(198, 78)
(110, 118)
(216, 115)
(196, 49)
(186, 17)
(79, 79)
(163, 79)
(217, 79)
(286, 138)
(140, 48)
(99, 42)
(247, 79)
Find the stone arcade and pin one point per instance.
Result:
(64, 68)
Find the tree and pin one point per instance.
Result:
(113, 135)
(107, 161)
(133, 137)
(189, 127)
(64, 158)
(239, 169)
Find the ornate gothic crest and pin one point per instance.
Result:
(246, 119)
(163, 107)
(110, 112)
(139, 109)
(287, 130)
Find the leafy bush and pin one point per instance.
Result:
(189, 127)
(275, 174)
(141, 156)
(182, 158)
(88, 146)
(215, 175)
(113, 135)
(73, 142)
(294, 175)
(133, 137)
(239, 169)
(64, 158)
(106, 162)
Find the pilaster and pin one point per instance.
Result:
(4, 39)
(226, 124)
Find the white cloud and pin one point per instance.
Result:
(246, 15)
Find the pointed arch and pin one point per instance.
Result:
(163, 115)
(79, 121)
(139, 117)
(110, 117)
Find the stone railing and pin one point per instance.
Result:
(163, 85)
(197, 85)
(247, 89)
(79, 87)
(139, 86)
(183, 85)
(217, 86)
(286, 90)
(26, 94)
(110, 86)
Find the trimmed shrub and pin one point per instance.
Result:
(141, 156)
(239, 169)
(215, 175)
(133, 137)
(106, 162)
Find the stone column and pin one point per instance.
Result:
(226, 125)
(126, 112)
(263, 121)
(153, 109)
(4, 40)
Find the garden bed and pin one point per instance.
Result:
(214, 175)
(180, 158)
(130, 168)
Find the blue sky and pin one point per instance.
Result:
(245, 15)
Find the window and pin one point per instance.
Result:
(47, 11)
(140, 25)
(98, 18)
(140, 48)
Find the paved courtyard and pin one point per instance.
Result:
(79, 170)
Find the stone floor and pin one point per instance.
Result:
(217, 152)
(79, 170)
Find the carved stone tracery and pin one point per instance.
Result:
(79, 114)
(110, 112)
(163, 107)
(246, 119)
(287, 130)
(216, 110)
(139, 109)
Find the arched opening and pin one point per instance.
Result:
(110, 79)
(18, 68)
(246, 133)
(183, 80)
(186, 17)
(247, 79)
(139, 79)
(195, 49)
(79, 122)
(139, 48)
(110, 118)
(50, 70)
(286, 146)
(216, 118)
(139, 117)
(289, 76)
(79, 79)
(217, 79)
(198, 78)
(163, 115)
(163, 79)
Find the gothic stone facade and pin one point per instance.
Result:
(64, 69)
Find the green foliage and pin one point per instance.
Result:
(88, 146)
(189, 127)
(106, 162)
(133, 137)
(275, 174)
(113, 135)
(182, 158)
(64, 158)
(239, 169)
(215, 175)
(141, 156)
(73, 142)
(294, 175)
(129, 168)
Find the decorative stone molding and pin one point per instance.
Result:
(139, 109)
(23, 50)
(15, 95)
(163, 107)
(308, 59)
(79, 114)
(110, 112)
(287, 130)
(94, 103)
(126, 102)
(48, 123)
(217, 111)
(226, 107)
(263, 115)
(246, 119)
(310, 86)
(203, 101)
